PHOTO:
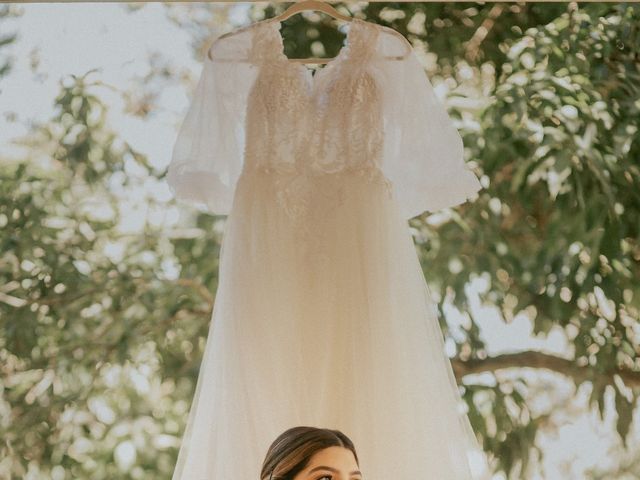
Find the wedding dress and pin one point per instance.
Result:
(322, 315)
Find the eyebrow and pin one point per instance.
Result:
(322, 467)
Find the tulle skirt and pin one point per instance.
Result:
(322, 317)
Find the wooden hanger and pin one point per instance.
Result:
(312, 5)
(320, 6)
(315, 5)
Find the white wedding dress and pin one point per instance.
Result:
(322, 314)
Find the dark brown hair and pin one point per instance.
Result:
(290, 453)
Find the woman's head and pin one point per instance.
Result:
(311, 453)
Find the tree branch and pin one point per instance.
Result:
(198, 287)
(473, 45)
(531, 359)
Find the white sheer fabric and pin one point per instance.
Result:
(322, 314)
(363, 109)
(208, 152)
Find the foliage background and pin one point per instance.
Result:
(102, 329)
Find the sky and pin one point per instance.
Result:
(55, 41)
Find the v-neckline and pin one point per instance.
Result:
(347, 44)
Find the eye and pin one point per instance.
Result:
(324, 476)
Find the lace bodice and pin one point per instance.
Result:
(324, 122)
(371, 110)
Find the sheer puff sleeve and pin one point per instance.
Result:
(208, 152)
(424, 153)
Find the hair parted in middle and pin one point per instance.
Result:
(291, 451)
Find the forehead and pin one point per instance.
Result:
(337, 457)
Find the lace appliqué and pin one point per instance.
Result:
(314, 136)
(310, 197)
